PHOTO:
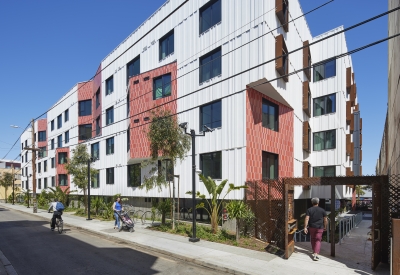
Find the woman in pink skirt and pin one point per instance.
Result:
(317, 222)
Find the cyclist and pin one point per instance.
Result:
(56, 214)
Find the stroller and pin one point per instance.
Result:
(127, 222)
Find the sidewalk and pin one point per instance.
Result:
(351, 256)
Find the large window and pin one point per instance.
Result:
(324, 171)
(98, 98)
(162, 86)
(95, 183)
(66, 136)
(210, 65)
(324, 70)
(52, 125)
(166, 45)
(52, 144)
(210, 115)
(133, 68)
(110, 85)
(45, 183)
(270, 115)
(325, 105)
(62, 180)
(53, 181)
(53, 162)
(210, 14)
(211, 165)
(39, 183)
(324, 140)
(85, 107)
(110, 175)
(66, 115)
(98, 125)
(85, 131)
(110, 146)
(45, 166)
(95, 151)
(62, 157)
(59, 121)
(134, 175)
(40, 168)
(270, 165)
(59, 141)
(43, 152)
(110, 115)
(42, 136)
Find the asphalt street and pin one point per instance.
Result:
(32, 248)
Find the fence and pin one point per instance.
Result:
(347, 224)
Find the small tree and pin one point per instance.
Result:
(214, 203)
(241, 212)
(6, 181)
(77, 167)
(163, 207)
(60, 194)
(359, 191)
(97, 203)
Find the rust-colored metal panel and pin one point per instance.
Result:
(306, 125)
(352, 123)
(348, 171)
(306, 58)
(353, 94)
(279, 52)
(360, 169)
(360, 123)
(282, 12)
(360, 139)
(360, 154)
(348, 78)
(352, 151)
(356, 108)
(306, 164)
(396, 246)
(348, 112)
(348, 144)
(306, 89)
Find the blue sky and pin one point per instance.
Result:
(48, 46)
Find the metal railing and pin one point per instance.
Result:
(347, 224)
(300, 237)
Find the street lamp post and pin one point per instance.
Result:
(88, 170)
(193, 135)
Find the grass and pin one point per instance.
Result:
(204, 233)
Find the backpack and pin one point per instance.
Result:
(59, 206)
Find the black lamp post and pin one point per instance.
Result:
(193, 135)
(88, 170)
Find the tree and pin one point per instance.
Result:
(60, 194)
(168, 144)
(6, 181)
(214, 203)
(360, 191)
(162, 208)
(77, 167)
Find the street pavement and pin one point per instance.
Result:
(228, 259)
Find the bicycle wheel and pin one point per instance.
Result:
(147, 217)
(60, 226)
(138, 215)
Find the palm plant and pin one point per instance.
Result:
(163, 208)
(61, 195)
(97, 203)
(6, 181)
(215, 202)
(241, 212)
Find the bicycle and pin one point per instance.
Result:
(59, 224)
(148, 215)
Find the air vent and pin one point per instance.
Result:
(146, 118)
(136, 82)
(146, 78)
(136, 121)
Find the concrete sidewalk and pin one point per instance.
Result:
(351, 257)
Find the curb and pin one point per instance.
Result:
(148, 248)
(7, 265)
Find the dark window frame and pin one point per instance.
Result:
(324, 139)
(214, 122)
(135, 64)
(52, 125)
(324, 172)
(212, 8)
(325, 106)
(95, 153)
(110, 146)
(109, 82)
(42, 136)
(266, 163)
(66, 137)
(62, 180)
(266, 116)
(59, 121)
(66, 115)
(110, 115)
(321, 67)
(217, 173)
(166, 39)
(110, 175)
(166, 82)
(59, 141)
(62, 157)
(98, 98)
(210, 66)
(82, 107)
(134, 177)
(82, 136)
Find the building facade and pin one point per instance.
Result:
(14, 168)
(221, 64)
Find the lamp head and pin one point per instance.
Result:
(207, 129)
(183, 125)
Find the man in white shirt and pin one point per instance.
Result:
(56, 214)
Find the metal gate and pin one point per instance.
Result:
(376, 225)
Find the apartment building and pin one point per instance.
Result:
(220, 64)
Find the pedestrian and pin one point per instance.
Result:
(317, 223)
(117, 207)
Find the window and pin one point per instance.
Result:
(132, 68)
(134, 175)
(62, 180)
(26, 171)
(59, 141)
(110, 85)
(325, 140)
(110, 175)
(66, 136)
(43, 152)
(22, 147)
(110, 146)
(85, 107)
(53, 162)
(98, 125)
(210, 15)
(325, 105)
(26, 143)
(62, 157)
(26, 156)
(98, 98)
(96, 181)
(40, 168)
(162, 86)
(324, 171)
(45, 166)
(270, 115)
(45, 183)
(269, 165)
(324, 70)
(52, 144)
(52, 125)
(85, 131)
(166, 45)
(211, 165)
(95, 151)
(210, 65)
(166, 169)
(53, 181)
(110, 115)
(59, 121)
(26, 185)
(210, 115)
(42, 136)
(39, 183)
(66, 115)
